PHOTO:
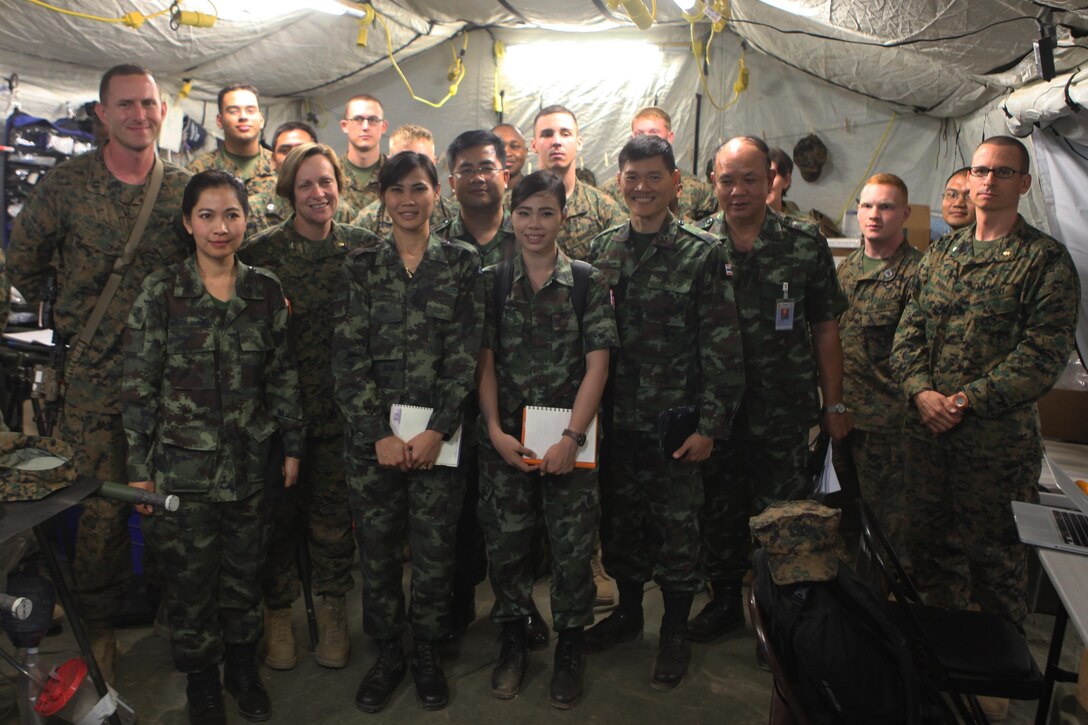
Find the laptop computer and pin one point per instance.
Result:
(1055, 528)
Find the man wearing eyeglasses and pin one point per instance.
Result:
(957, 209)
(364, 123)
(241, 152)
(984, 336)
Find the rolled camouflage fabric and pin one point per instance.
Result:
(801, 539)
(28, 467)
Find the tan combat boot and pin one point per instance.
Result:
(606, 585)
(333, 647)
(104, 649)
(279, 639)
(995, 708)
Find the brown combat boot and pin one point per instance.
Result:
(104, 649)
(606, 585)
(333, 646)
(279, 639)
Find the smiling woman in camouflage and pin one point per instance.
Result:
(208, 380)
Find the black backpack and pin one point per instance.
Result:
(846, 659)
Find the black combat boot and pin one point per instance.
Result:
(566, 686)
(205, 695)
(623, 624)
(674, 649)
(383, 677)
(243, 682)
(537, 630)
(722, 614)
(432, 692)
(513, 661)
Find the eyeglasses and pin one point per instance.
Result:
(360, 120)
(953, 195)
(486, 172)
(1001, 172)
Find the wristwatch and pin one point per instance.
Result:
(961, 401)
(579, 438)
(836, 408)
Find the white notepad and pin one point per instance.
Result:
(408, 421)
(542, 428)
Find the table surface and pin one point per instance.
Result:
(1069, 574)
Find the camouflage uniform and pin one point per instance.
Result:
(540, 350)
(81, 216)
(207, 383)
(680, 345)
(376, 219)
(997, 322)
(261, 181)
(411, 340)
(872, 394)
(765, 459)
(362, 184)
(697, 200)
(311, 273)
(269, 209)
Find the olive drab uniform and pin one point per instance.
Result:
(540, 348)
(784, 284)
(409, 339)
(262, 180)
(207, 384)
(995, 320)
(311, 273)
(362, 184)
(268, 209)
(680, 345)
(695, 202)
(75, 225)
(876, 444)
(375, 218)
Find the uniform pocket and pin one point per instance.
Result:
(190, 357)
(185, 459)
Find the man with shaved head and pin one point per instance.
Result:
(516, 151)
(789, 302)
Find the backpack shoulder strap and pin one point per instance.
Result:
(581, 272)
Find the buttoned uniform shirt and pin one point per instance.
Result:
(789, 261)
(262, 180)
(696, 200)
(312, 274)
(268, 210)
(412, 340)
(497, 249)
(997, 323)
(680, 341)
(206, 387)
(876, 300)
(375, 217)
(540, 345)
(75, 225)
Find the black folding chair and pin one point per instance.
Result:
(966, 653)
(785, 705)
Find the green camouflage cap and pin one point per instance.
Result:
(809, 156)
(32, 467)
(801, 539)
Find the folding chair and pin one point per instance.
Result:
(785, 705)
(966, 653)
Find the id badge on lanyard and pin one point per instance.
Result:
(783, 310)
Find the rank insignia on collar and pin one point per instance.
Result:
(887, 273)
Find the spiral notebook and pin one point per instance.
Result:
(542, 428)
(408, 421)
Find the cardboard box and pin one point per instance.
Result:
(1064, 415)
(917, 226)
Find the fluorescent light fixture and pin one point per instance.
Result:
(686, 5)
(803, 8)
(270, 9)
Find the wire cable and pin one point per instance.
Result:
(133, 20)
(456, 71)
(873, 43)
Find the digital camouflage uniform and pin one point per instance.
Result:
(766, 457)
(206, 385)
(411, 340)
(75, 225)
(696, 200)
(680, 345)
(996, 322)
(261, 181)
(269, 209)
(376, 219)
(540, 359)
(361, 184)
(311, 273)
(589, 213)
(876, 444)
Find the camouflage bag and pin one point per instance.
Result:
(32, 467)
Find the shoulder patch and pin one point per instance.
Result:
(698, 233)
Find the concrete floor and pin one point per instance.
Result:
(724, 684)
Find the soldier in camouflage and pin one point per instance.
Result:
(268, 209)
(957, 209)
(985, 335)
(75, 226)
(540, 349)
(516, 152)
(241, 152)
(696, 199)
(782, 168)
(680, 346)
(789, 302)
(877, 279)
(209, 378)
(363, 123)
(307, 253)
(409, 335)
(557, 142)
